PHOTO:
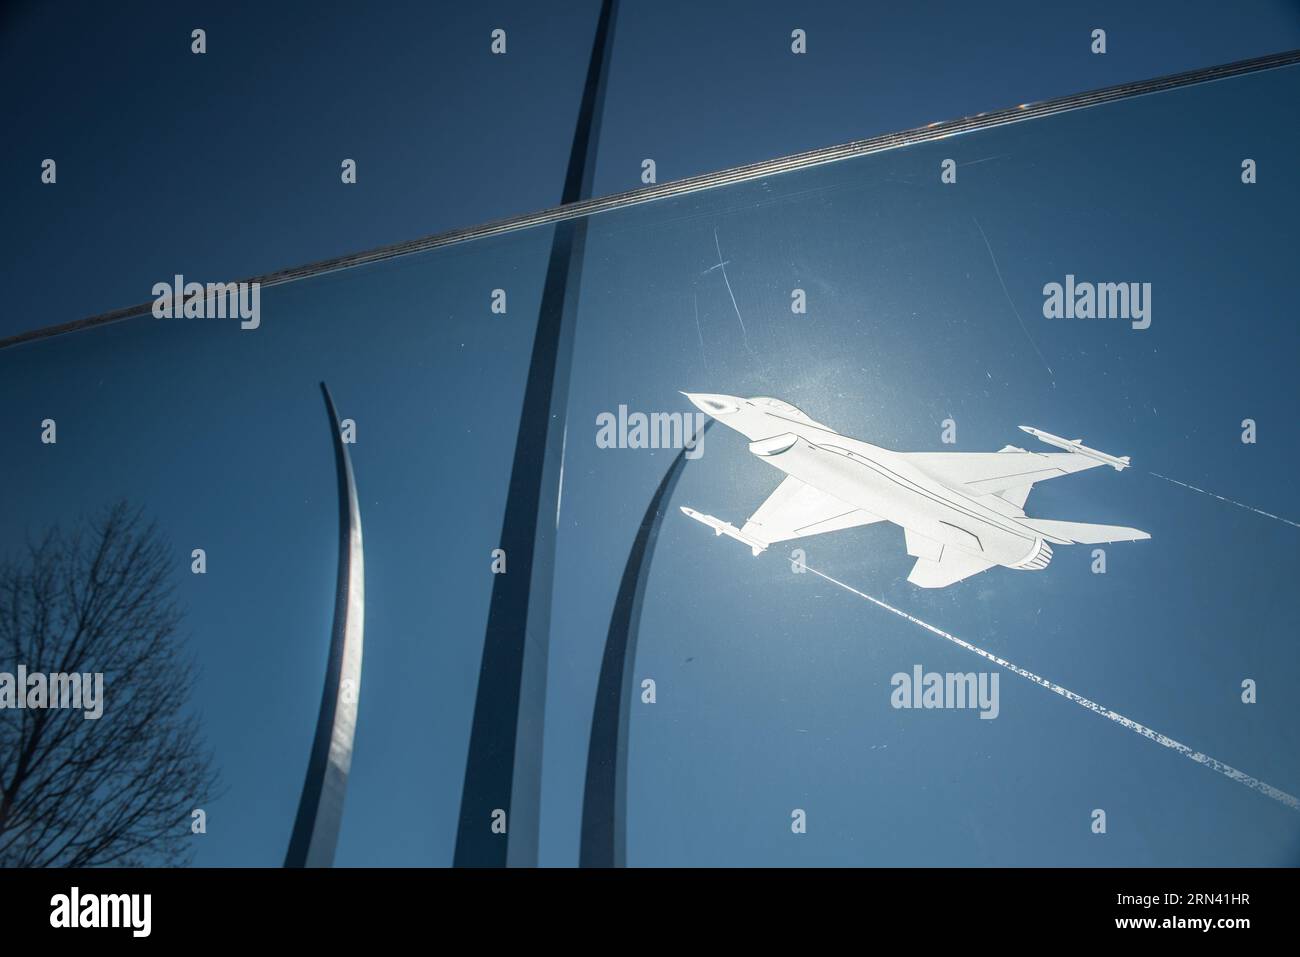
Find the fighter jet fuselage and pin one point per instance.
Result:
(962, 512)
(882, 482)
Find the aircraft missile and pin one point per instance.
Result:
(1118, 463)
(725, 528)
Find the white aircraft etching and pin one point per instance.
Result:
(962, 512)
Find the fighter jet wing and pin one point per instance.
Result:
(797, 510)
(1009, 473)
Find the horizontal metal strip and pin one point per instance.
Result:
(737, 174)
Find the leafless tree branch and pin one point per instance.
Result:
(118, 790)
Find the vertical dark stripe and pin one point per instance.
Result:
(604, 804)
(320, 809)
(503, 768)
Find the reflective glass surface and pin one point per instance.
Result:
(868, 295)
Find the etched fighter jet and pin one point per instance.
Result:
(962, 512)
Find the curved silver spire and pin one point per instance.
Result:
(320, 811)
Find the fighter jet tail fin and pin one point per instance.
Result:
(1082, 533)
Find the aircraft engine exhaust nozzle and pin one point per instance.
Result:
(1038, 559)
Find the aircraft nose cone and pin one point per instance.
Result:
(713, 404)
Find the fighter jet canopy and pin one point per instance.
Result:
(776, 405)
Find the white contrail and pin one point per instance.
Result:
(1249, 508)
(1241, 777)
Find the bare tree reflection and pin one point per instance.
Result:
(118, 790)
